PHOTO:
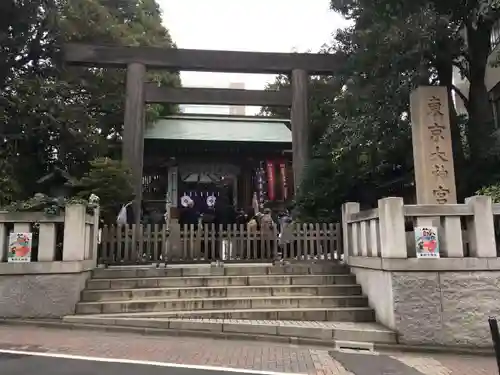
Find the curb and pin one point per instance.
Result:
(461, 350)
(166, 332)
(381, 347)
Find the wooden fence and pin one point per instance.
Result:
(130, 244)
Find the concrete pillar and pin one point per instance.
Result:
(74, 232)
(22, 227)
(348, 209)
(392, 228)
(133, 131)
(432, 146)
(95, 236)
(481, 228)
(300, 125)
(47, 242)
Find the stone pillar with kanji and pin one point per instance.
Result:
(432, 150)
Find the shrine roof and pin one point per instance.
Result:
(220, 128)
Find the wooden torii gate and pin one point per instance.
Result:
(138, 93)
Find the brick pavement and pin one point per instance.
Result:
(195, 351)
(251, 355)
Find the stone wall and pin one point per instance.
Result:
(37, 294)
(448, 308)
(433, 301)
(377, 285)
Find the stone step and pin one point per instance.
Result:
(156, 305)
(223, 291)
(203, 281)
(128, 272)
(330, 332)
(340, 314)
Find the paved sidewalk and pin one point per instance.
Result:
(250, 355)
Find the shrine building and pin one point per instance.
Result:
(205, 157)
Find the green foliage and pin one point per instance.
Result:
(111, 181)
(48, 205)
(52, 115)
(9, 187)
(492, 191)
(361, 131)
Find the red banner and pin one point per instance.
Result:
(270, 180)
(284, 185)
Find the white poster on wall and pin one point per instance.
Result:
(20, 247)
(426, 242)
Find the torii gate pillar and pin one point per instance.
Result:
(300, 125)
(133, 130)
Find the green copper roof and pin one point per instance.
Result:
(200, 128)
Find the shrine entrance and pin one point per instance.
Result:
(205, 183)
(137, 61)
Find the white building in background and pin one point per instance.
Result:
(237, 110)
(491, 78)
(217, 109)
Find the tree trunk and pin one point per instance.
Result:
(445, 73)
(481, 122)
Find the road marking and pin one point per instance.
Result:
(138, 362)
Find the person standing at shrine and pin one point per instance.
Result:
(268, 233)
(286, 234)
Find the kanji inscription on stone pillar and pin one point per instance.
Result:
(432, 147)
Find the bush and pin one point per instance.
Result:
(317, 199)
(111, 181)
(48, 205)
(493, 191)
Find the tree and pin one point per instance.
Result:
(392, 47)
(117, 22)
(324, 91)
(433, 37)
(9, 188)
(56, 116)
(111, 181)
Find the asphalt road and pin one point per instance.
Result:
(22, 364)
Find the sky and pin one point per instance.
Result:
(247, 25)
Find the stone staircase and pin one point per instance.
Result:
(307, 301)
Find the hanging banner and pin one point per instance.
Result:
(284, 182)
(19, 247)
(260, 187)
(270, 180)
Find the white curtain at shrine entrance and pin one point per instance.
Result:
(214, 174)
